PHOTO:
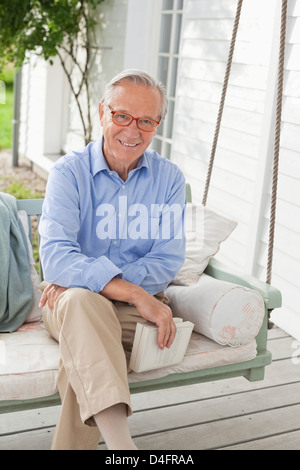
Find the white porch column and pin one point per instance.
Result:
(41, 116)
(142, 35)
(266, 152)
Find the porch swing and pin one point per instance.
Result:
(29, 389)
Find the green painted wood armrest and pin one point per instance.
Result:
(271, 295)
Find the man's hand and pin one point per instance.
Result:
(156, 312)
(147, 306)
(50, 295)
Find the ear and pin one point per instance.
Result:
(101, 113)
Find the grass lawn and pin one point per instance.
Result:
(6, 109)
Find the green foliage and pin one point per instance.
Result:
(42, 26)
(20, 191)
(6, 116)
(7, 75)
(50, 28)
(6, 107)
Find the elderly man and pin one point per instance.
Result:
(111, 241)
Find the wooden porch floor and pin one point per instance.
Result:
(230, 414)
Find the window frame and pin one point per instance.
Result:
(163, 140)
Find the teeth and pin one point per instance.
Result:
(127, 145)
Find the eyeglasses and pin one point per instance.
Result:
(124, 120)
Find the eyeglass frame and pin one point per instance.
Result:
(133, 119)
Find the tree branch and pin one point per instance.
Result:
(74, 94)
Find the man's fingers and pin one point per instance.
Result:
(166, 335)
(44, 297)
(172, 335)
(43, 300)
(50, 295)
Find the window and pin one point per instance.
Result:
(167, 65)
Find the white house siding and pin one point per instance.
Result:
(239, 185)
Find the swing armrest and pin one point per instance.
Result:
(270, 294)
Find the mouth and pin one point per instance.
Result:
(127, 145)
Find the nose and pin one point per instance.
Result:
(133, 127)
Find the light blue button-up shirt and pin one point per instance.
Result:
(95, 226)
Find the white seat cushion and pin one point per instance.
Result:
(29, 361)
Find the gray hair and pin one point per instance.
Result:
(140, 78)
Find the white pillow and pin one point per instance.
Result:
(204, 231)
(36, 311)
(227, 313)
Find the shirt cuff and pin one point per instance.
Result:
(134, 274)
(99, 273)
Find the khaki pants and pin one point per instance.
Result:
(95, 337)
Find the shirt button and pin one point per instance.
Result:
(115, 243)
(123, 186)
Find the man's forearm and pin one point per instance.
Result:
(121, 290)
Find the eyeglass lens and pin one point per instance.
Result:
(122, 119)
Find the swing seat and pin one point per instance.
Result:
(29, 357)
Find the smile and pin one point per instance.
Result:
(128, 145)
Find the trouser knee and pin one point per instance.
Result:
(76, 306)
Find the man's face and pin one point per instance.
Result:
(123, 146)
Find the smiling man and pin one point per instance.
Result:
(107, 260)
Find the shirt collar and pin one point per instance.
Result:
(99, 163)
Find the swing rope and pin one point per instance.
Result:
(277, 126)
(277, 139)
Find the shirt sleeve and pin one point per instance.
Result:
(159, 266)
(62, 260)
